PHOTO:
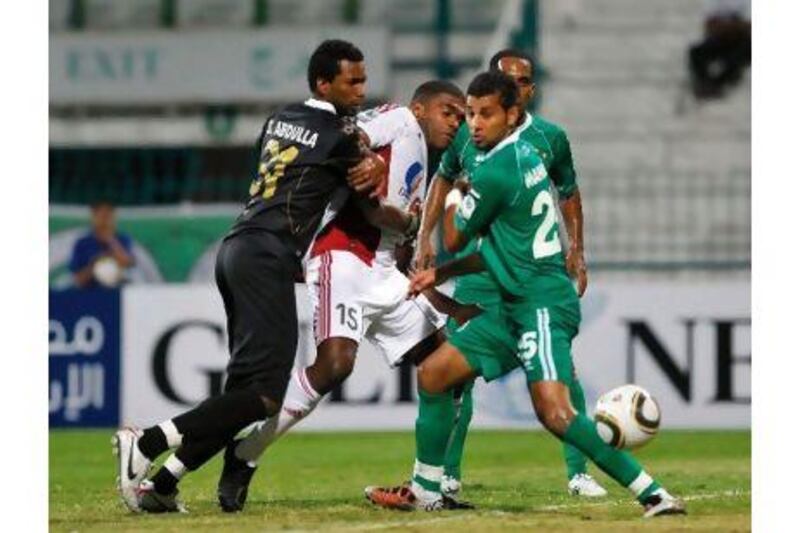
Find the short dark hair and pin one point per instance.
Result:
(103, 201)
(494, 62)
(324, 62)
(494, 82)
(432, 88)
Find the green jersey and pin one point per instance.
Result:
(462, 158)
(549, 141)
(511, 208)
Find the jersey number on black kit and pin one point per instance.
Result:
(272, 170)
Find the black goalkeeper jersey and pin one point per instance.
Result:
(306, 150)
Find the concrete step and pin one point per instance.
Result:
(654, 154)
(611, 56)
(571, 15)
(422, 13)
(424, 46)
(405, 81)
(635, 108)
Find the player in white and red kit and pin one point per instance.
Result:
(353, 281)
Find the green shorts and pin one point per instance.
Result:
(487, 343)
(475, 289)
(520, 334)
(544, 344)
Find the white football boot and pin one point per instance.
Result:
(662, 503)
(450, 486)
(586, 486)
(132, 466)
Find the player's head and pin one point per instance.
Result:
(492, 108)
(519, 65)
(337, 74)
(438, 107)
(103, 217)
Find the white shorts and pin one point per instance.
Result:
(354, 300)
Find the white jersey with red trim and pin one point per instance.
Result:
(395, 135)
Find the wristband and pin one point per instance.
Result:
(413, 227)
(454, 197)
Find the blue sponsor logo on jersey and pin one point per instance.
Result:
(412, 180)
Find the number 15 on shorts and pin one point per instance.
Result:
(348, 316)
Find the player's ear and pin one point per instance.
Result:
(323, 87)
(418, 110)
(512, 117)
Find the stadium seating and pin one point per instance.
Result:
(664, 179)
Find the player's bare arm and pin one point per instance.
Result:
(434, 206)
(388, 217)
(432, 277)
(572, 211)
(120, 255)
(453, 239)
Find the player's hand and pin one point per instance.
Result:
(415, 218)
(425, 255)
(424, 279)
(462, 185)
(368, 176)
(576, 266)
(415, 207)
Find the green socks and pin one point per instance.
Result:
(434, 424)
(576, 461)
(458, 436)
(574, 458)
(618, 464)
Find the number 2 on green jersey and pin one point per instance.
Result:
(542, 245)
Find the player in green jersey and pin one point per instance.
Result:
(510, 207)
(460, 159)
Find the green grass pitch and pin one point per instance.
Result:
(314, 482)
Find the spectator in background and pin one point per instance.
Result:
(101, 257)
(718, 61)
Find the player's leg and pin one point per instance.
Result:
(307, 387)
(544, 350)
(574, 459)
(438, 374)
(257, 284)
(159, 493)
(333, 280)
(579, 482)
(480, 347)
(451, 481)
(333, 364)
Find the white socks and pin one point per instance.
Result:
(300, 400)
(175, 467)
(430, 475)
(640, 484)
(174, 438)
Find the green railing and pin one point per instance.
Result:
(150, 176)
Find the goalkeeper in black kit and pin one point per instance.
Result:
(311, 160)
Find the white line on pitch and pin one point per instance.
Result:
(687, 498)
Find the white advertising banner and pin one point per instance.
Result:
(688, 344)
(209, 66)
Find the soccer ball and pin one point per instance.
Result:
(107, 272)
(627, 417)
